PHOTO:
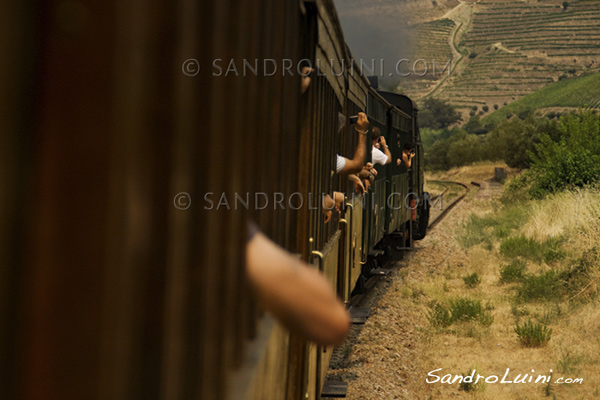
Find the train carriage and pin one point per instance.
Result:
(148, 295)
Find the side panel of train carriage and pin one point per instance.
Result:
(325, 133)
(325, 250)
(398, 194)
(358, 89)
(150, 300)
(420, 205)
(374, 217)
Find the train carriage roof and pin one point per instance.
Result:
(401, 101)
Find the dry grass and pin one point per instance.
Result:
(477, 172)
(574, 348)
(569, 213)
(436, 273)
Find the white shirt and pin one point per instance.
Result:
(340, 163)
(378, 156)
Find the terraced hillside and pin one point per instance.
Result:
(517, 47)
(435, 44)
(431, 45)
(501, 50)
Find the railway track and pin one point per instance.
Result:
(450, 206)
(357, 300)
(367, 300)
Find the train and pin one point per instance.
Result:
(120, 281)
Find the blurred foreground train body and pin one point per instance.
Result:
(109, 289)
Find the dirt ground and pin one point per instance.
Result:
(385, 358)
(391, 355)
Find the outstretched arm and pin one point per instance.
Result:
(297, 294)
(385, 148)
(359, 188)
(355, 165)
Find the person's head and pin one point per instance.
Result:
(409, 147)
(375, 135)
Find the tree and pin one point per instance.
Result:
(474, 126)
(437, 114)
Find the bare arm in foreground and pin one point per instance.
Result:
(297, 294)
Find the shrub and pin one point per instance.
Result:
(460, 309)
(472, 280)
(473, 125)
(514, 141)
(546, 287)
(464, 309)
(567, 158)
(464, 149)
(513, 272)
(495, 106)
(524, 114)
(439, 315)
(485, 108)
(533, 334)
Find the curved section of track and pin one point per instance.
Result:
(450, 206)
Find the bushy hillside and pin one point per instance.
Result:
(581, 92)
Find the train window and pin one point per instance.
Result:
(396, 121)
(376, 110)
(404, 124)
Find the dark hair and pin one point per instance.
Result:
(409, 146)
(375, 133)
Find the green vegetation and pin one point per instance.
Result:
(572, 160)
(562, 154)
(461, 309)
(437, 114)
(513, 272)
(472, 280)
(455, 148)
(533, 334)
(472, 385)
(548, 250)
(574, 92)
(515, 141)
(491, 227)
(577, 278)
(543, 287)
(570, 362)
